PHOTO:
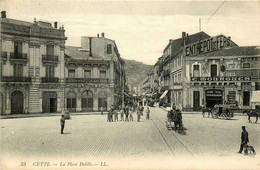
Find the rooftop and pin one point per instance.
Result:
(236, 51)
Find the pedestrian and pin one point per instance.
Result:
(122, 114)
(111, 115)
(115, 115)
(101, 110)
(138, 114)
(142, 110)
(62, 123)
(147, 113)
(108, 116)
(244, 139)
(131, 114)
(126, 114)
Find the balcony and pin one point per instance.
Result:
(4, 55)
(50, 79)
(50, 58)
(16, 79)
(18, 56)
(87, 80)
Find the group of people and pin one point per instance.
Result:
(126, 113)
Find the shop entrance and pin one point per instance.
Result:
(213, 97)
(196, 100)
(49, 102)
(17, 102)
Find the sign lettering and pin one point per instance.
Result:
(208, 45)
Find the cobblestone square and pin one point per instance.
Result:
(90, 139)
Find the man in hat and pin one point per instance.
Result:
(244, 139)
(62, 123)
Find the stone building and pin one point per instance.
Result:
(37, 77)
(32, 66)
(95, 75)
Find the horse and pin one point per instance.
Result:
(252, 113)
(206, 109)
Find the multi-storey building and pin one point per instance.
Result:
(94, 75)
(170, 67)
(32, 66)
(36, 77)
(210, 70)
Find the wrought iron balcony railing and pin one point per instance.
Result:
(18, 56)
(46, 58)
(87, 80)
(16, 79)
(50, 79)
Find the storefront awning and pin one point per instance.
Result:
(164, 94)
(255, 97)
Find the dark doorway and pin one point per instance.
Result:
(213, 70)
(246, 98)
(49, 102)
(71, 101)
(87, 101)
(196, 100)
(213, 100)
(17, 102)
(53, 105)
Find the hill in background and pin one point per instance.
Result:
(136, 72)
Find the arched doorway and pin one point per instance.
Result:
(17, 102)
(71, 101)
(102, 101)
(49, 102)
(87, 101)
(1, 103)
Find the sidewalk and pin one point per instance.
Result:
(46, 114)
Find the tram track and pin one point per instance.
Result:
(173, 142)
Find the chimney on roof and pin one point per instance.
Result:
(90, 46)
(97, 35)
(183, 38)
(56, 24)
(187, 38)
(102, 34)
(3, 14)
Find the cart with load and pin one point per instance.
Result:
(174, 116)
(222, 111)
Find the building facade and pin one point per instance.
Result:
(32, 66)
(208, 70)
(36, 77)
(95, 75)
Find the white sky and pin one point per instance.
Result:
(142, 29)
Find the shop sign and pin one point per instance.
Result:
(213, 92)
(208, 45)
(231, 97)
(231, 78)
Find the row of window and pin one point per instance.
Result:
(87, 73)
(18, 48)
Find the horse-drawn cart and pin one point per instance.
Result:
(174, 116)
(222, 111)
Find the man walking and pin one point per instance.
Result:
(122, 114)
(115, 115)
(62, 123)
(131, 110)
(147, 113)
(244, 139)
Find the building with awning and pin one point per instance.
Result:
(164, 94)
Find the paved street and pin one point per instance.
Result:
(90, 138)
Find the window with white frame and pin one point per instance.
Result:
(196, 70)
